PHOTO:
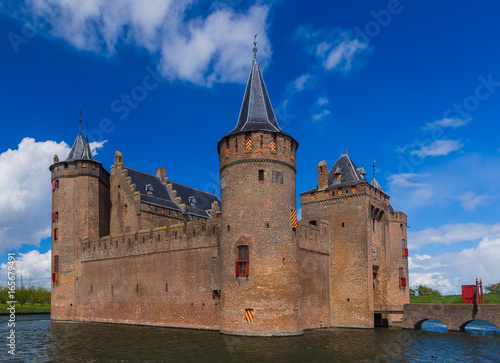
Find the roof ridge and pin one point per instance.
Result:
(203, 191)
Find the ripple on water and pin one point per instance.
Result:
(42, 340)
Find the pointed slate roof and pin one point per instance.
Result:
(375, 184)
(256, 112)
(80, 150)
(350, 174)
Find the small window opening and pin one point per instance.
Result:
(111, 289)
(343, 224)
(136, 287)
(267, 225)
(215, 294)
(56, 234)
(213, 229)
(166, 287)
(243, 261)
(236, 144)
(249, 315)
(261, 141)
(65, 165)
(175, 235)
(228, 228)
(248, 142)
(261, 174)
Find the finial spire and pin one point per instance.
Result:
(87, 130)
(373, 168)
(255, 49)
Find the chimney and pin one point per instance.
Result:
(322, 175)
(162, 173)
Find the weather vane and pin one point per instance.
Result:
(373, 168)
(80, 121)
(255, 49)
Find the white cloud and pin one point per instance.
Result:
(303, 82)
(447, 122)
(406, 180)
(214, 45)
(448, 271)
(452, 233)
(32, 266)
(25, 192)
(336, 49)
(321, 115)
(438, 147)
(470, 201)
(322, 101)
(96, 145)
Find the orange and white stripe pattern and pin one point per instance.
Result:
(293, 216)
(249, 315)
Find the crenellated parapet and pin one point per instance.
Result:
(398, 217)
(313, 236)
(178, 237)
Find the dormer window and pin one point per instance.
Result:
(338, 173)
(149, 189)
(192, 200)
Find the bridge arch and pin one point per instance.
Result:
(493, 328)
(455, 317)
(418, 324)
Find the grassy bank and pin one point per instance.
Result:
(451, 299)
(25, 309)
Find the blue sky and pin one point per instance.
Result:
(412, 84)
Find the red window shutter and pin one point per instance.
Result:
(53, 277)
(53, 185)
(53, 216)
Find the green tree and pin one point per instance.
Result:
(23, 295)
(413, 291)
(427, 291)
(4, 295)
(493, 288)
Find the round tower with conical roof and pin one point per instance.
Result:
(259, 252)
(80, 211)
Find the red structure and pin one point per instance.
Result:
(473, 294)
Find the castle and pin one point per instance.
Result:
(136, 248)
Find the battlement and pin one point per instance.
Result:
(76, 168)
(344, 192)
(398, 216)
(192, 235)
(273, 147)
(313, 236)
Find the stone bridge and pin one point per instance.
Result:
(455, 317)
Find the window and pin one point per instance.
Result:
(55, 185)
(227, 147)
(55, 273)
(56, 234)
(55, 216)
(278, 177)
(236, 144)
(404, 249)
(84, 165)
(261, 174)
(243, 261)
(261, 141)
(215, 294)
(65, 165)
(353, 189)
(402, 279)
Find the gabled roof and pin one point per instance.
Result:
(349, 173)
(160, 196)
(144, 182)
(202, 200)
(80, 150)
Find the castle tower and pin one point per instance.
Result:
(259, 254)
(80, 210)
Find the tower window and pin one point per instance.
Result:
(242, 263)
(261, 174)
(273, 143)
(402, 278)
(55, 185)
(55, 273)
(227, 146)
(56, 234)
(55, 216)
(261, 141)
(236, 144)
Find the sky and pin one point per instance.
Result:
(412, 84)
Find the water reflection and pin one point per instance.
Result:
(42, 340)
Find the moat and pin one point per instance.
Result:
(41, 340)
